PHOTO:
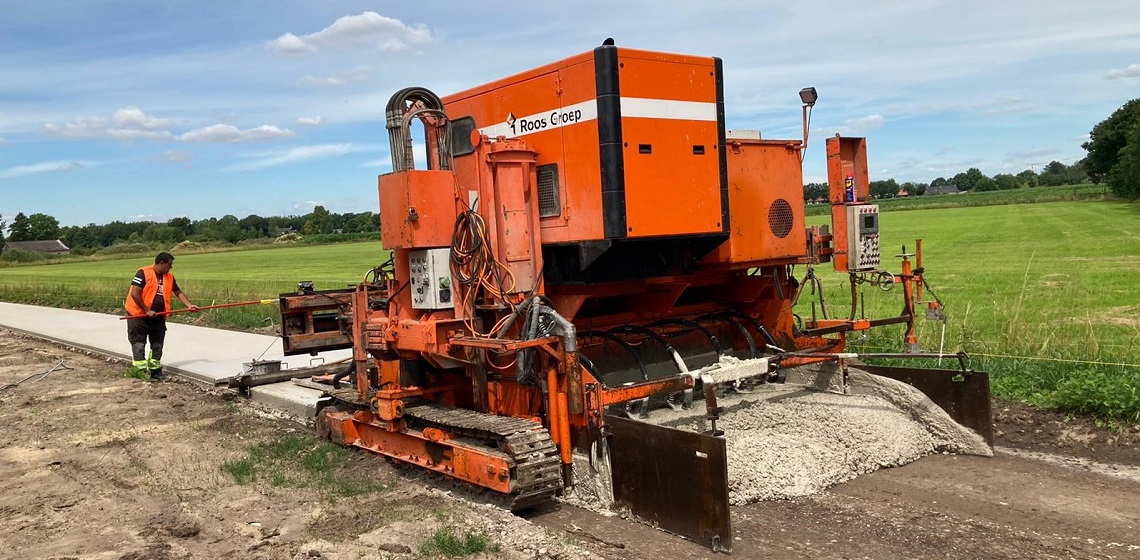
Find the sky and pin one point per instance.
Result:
(143, 110)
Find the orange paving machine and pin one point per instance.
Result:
(588, 241)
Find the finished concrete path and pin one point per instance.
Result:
(202, 354)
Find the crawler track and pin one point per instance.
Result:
(533, 458)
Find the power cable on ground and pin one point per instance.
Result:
(56, 367)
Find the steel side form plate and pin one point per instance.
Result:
(964, 396)
(673, 479)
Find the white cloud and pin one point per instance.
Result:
(857, 125)
(863, 124)
(310, 121)
(939, 108)
(1033, 154)
(953, 166)
(226, 133)
(1002, 104)
(294, 155)
(1133, 71)
(368, 29)
(307, 205)
(338, 80)
(128, 123)
(173, 156)
(44, 167)
(290, 44)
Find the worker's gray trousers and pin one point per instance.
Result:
(139, 331)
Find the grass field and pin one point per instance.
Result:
(208, 278)
(1044, 295)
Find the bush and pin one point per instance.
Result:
(127, 249)
(1101, 394)
(187, 247)
(327, 238)
(23, 256)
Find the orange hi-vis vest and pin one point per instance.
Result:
(150, 290)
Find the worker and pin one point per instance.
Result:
(147, 300)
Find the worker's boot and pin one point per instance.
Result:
(154, 368)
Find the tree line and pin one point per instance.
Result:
(228, 229)
(1053, 174)
(1113, 159)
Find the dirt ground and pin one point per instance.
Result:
(97, 465)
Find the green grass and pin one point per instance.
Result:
(134, 373)
(208, 279)
(1044, 296)
(451, 542)
(301, 461)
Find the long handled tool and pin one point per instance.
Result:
(203, 308)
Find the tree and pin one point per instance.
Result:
(254, 226)
(320, 221)
(21, 229)
(884, 189)
(985, 184)
(815, 191)
(1108, 138)
(43, 226)
(362, 223)
(1124, 176)
(1006, 182)
(1028, 178)
(1057, 173)
(2, 226)
(184, 226)
(968, 180)
(939, 182)
(914, 189)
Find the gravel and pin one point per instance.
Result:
(797, 438)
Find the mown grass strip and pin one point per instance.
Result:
(989, 198)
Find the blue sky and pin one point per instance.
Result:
(143, 110)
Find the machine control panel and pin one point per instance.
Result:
(430, 272)
(863, 237)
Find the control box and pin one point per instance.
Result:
(863, 237)
(430, 272)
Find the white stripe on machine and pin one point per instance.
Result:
(666, 109)
(634, 107)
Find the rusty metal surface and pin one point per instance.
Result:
(964, 396)
(536, 472)
(673, 479)
(310, 321)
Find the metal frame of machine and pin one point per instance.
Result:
(607, 243)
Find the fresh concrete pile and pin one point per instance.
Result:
(801, 437)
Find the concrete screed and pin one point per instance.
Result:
(801, 437)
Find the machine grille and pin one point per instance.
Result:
(549, 201)
(780, 218)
